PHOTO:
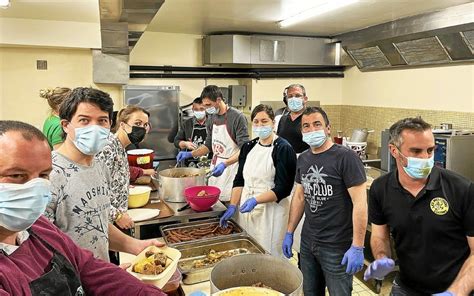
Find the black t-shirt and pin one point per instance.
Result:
(290, 130)
(325, 178)
(429, 230)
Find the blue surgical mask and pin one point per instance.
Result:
(418, 168)
(315, 139)
(91, 139)
(263, 132)
(22, 204)
(295, 104)
(199, 114)
(212, 110)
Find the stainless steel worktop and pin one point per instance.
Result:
(183, 216)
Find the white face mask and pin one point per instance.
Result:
(91, 139)
(295, 104)
(22, 204)
(199, 114)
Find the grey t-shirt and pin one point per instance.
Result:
(328, 206)
(80, 203)
(236, 126)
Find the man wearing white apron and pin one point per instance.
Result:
(267, 166)
(227, 132)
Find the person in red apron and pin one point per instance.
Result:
(36, 257)
(227, 132)
(267, 167)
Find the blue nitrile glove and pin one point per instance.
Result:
(183, 155)
(445, 293)
(379, 269)
(198, 293)
(287, 244)
(227, 215)
(218, 170)
(248, 205)
(354, 258)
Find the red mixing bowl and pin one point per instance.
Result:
(202, 203)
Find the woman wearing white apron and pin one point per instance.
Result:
(227, 132)
(267, 167)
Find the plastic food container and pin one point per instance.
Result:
(202, 203)
(173, 283)
(138, 196)
(142, 158)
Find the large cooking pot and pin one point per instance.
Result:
(360, 135)
(249, 269)
(174, 181)
(142, 158)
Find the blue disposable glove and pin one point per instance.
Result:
(354, 258)
(248, 205)
(287, 244)
(445, 293)
(218, 170)
(227, 215)
(379, 269)
(183, 155)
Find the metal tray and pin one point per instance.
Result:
(196, 250)
(197, 224)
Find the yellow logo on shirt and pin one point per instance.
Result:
(439, 206)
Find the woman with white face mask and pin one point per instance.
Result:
(267, 167)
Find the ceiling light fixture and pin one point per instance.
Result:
(317, 10)
(4, 4)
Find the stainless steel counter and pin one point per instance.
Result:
(183, 216)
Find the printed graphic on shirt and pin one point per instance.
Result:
(316, 191)
(439, 206)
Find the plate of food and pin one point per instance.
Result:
(155, 265)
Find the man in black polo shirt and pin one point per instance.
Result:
(289, 126)
(430, 213)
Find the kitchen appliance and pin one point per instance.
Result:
(453, 152)
(162, 104)
(173, 181)
(249, 269)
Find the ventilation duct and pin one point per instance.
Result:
(440, 37)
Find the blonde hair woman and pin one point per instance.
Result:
(131, 127)
(52, 126)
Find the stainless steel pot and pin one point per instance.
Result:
(246, 270)
(360, 135)
(174, 181)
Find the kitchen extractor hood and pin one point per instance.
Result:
(255, 50)
(122, 22)
(435, 38)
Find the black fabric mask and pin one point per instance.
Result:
(137, 135)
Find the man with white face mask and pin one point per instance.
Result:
(36, 258)
(80, 204)
(193, 133)
(430, 213)
(331, 190)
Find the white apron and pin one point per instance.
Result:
(266, 223)
(223, 147)
(297, 232)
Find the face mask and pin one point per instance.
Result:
(295, 104)
(212, 110)
(263, 132)
(137, 135)
(199, 114)
(418, 168)
(315, 139)
(91, 139)
(22, 204)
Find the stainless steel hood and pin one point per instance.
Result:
(255, 50)
(436, 38)
(122, 23)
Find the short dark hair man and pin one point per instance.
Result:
(331, 191)
(430, 213)
(36, 258)
(80, 204)
(226, 133)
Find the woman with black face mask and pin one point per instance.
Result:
(131, 127)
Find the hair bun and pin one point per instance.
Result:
(46, 92)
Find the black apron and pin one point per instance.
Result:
(61, 279)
